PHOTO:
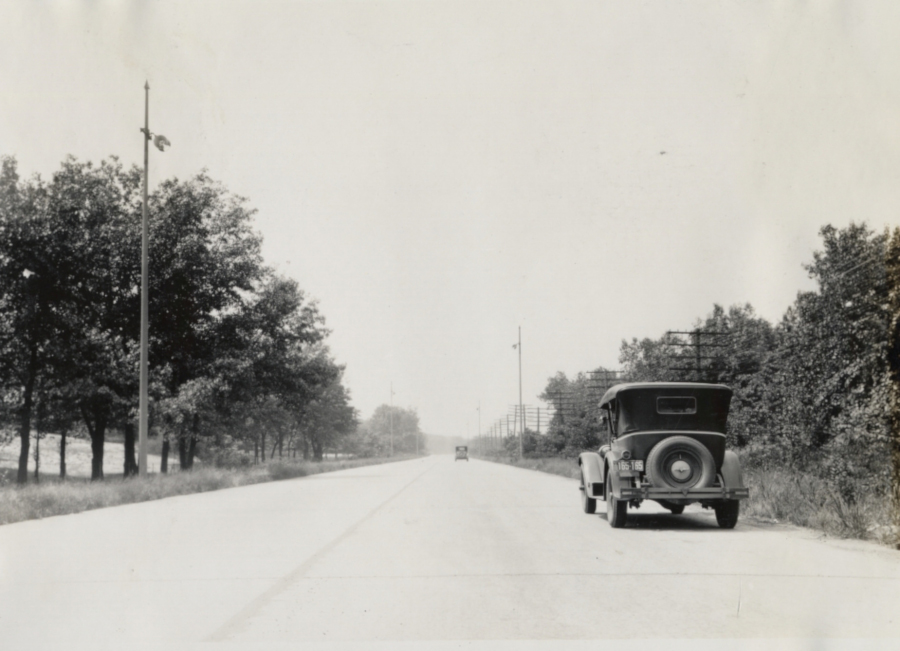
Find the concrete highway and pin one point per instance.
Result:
(437, 553)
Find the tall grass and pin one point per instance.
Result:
(56, 497)
(778, 496)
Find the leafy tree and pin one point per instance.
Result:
(892, 272)
(272, 353)
(389, 427)
(812, 392)
(235, 351)
(575, 425)
(100, 270)
(40, 281)
(328, 418)
(205, 262)
(832, 362)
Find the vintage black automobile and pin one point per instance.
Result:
(665, 441)
(462, 452)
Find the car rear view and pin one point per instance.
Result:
(665, 442)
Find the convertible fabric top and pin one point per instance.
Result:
(612, 392)
(636, 406)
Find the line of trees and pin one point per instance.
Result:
(389, 429)
(817, 392)
(238, 361)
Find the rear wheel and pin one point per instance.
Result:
(589, 504)
(727, 513)
(616, 509)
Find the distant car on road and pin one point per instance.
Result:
(665, 442)
(462, 452)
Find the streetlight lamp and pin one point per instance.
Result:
(161, 142)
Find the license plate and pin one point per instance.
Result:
(637, 464)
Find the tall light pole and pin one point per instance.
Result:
(521, 411)
(391, 412)
(160, 141)
(145, 230)
(479, 419)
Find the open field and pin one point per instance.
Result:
(78, 458)
(54, 497)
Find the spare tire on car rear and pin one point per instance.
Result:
(680, 462)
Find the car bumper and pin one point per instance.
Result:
(653, 493)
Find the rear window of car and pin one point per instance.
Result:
(676, 405)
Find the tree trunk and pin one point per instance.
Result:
(317, 450)
(130, 467)
(274, 447)
(262, 445)
(182, 453)
(37, 456)
(25, 425)
(62, 454)
(164, 456)
(192, 451)
(97, 432)
(281, 445)
(192, 442)
(256, 449)
(97, 441)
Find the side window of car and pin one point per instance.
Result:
(612, 421)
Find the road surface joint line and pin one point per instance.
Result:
(339, 577)
(239, 620)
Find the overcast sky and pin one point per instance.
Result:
(437, 174)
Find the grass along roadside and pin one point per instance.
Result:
(34, 501)
(778, 496)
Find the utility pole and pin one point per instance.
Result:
(696, 343)
(161, 142)
(697, 339)
(391, 412)
(479, 419)
(145, 236)
(522, 426)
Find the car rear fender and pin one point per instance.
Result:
(731, 471)
(592, 471)
(612, 459)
